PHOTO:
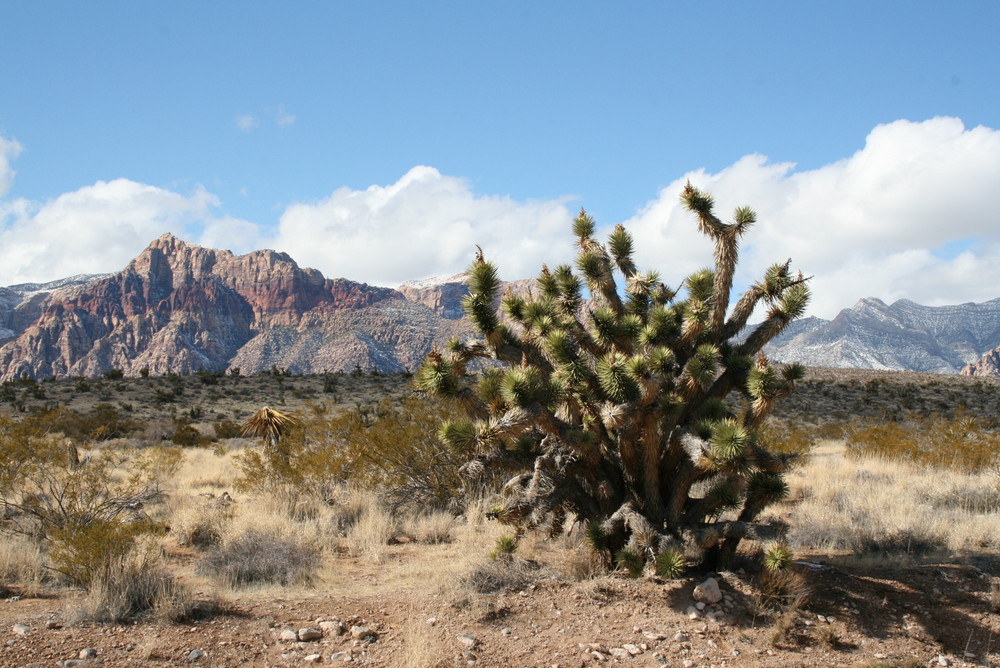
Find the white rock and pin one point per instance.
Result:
(620, 653)
(288, 635)
(708, 591)
(700, 605)
(313, 658)
(693, 612)
(362, 632)
(654, 636)
(87, 653)
(194, 655)
(21, 629)
(634, 650)
(468, 642)
(309, 634)
(942, 660)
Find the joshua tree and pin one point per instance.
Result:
(617, 405)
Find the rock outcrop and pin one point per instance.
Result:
(987, 365)
(181, 307)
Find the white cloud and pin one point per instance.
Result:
(246, 122)
(424, 224)
(868, 225)
(100, 228)
(9, 150)
(278, 115)
(283, 118)
(912, 215)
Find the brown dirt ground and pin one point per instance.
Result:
(872, 618)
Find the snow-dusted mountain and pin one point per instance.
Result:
(903, 336)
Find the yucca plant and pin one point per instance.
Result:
(270, 426)
(617, 401)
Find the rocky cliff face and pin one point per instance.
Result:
(903, 336)
(180, 307)
(987, 365)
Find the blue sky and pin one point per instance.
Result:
(329, 129)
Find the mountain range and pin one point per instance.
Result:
(179, 307)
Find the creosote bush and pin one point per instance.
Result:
(613, 410)
(391, 446)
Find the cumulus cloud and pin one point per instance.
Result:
(100, 228)
(283, 118)
(425, 224)
(9, 150)
(911, 215)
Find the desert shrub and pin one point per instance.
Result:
(227, 429)
(259, 557)
(499, 575)
(962, 443)
(200, 526)
(81, 549)
(113, 374)
(132, 587)
(391, 447)
(103, 422)
(187, 436)
(88, 510)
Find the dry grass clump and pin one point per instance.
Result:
(200, 524)
(369, 536)
(22, 565)
(134, 587)
(886, 508)
(422, 648)
(431, 528)
(258, 557)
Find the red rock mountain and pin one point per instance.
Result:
(181, 307)
(987, 365)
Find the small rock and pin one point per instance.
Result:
(431, 621)
(87, 653)
(654, 636)
(700, 605)
(708, 591)
(194, 655)
(363, 633)
(942, 660)
(339, 656)
(288, 635)
(52, 624)
(505, 632)
(680, 636)
(21, 629)
(310, 634)
(693, 612)
(620, 653)
(633, 650)
(468, 642)
(313, 658)
(687, 663)
(335, 628)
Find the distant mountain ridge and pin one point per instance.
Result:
(903, 336)
(181, 307)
